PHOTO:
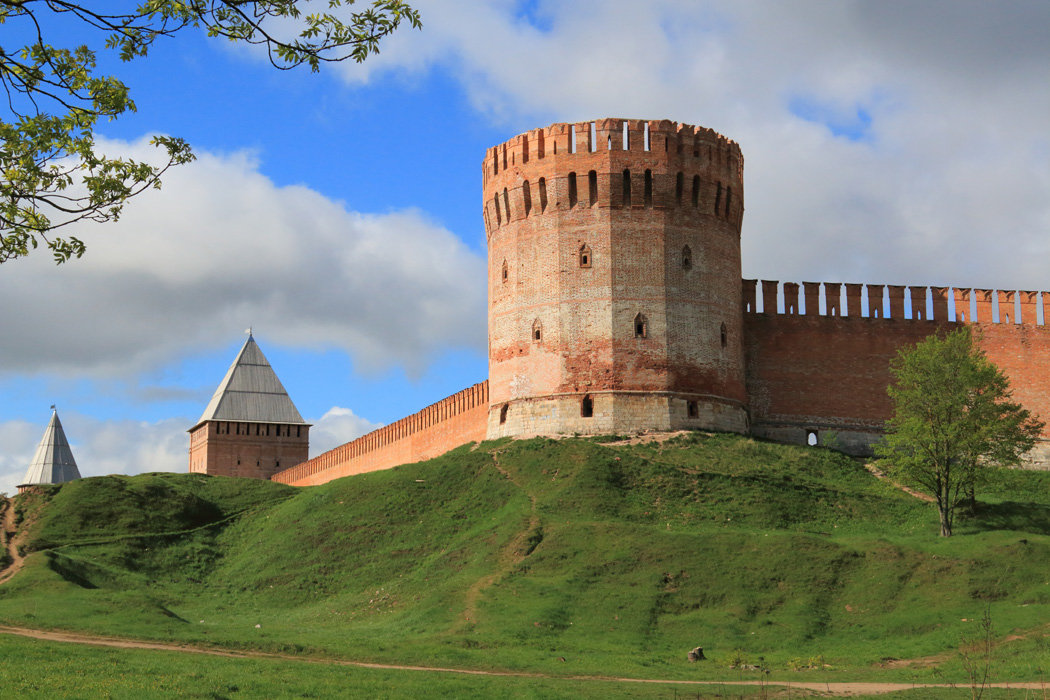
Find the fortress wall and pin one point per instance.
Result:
(438, 428)
(809, 371)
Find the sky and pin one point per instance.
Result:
(338, 214)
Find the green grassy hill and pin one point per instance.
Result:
(566, 557)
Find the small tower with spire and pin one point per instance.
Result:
(250, 427)
(53, 461)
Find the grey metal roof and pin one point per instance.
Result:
(53, 462)
(251, 392)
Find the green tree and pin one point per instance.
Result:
(952, 416)
(52, 175)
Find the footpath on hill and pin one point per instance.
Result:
(844, 689)
(8, 540)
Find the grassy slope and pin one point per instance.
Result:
(568, 557)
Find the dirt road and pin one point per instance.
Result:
(824, 689)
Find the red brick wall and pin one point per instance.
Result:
(830, 373)
(435, 430)
(254, 450)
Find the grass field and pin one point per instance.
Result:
(571, 557)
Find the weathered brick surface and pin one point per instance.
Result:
(828, 375)
(574, 260)
(256, 450)
(652, 248)
(435, 430)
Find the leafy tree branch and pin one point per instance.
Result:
(51, 175)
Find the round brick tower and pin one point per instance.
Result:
(614, 280)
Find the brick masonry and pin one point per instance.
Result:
(616, 305)
(435, 430)
(256, 450)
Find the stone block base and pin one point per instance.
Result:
(614, 413)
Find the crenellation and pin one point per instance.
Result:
(770, 294)
(939, 302)
(1007, 310)
(984, 306)
(750, 296)
(917, 306)
(811, 296)
(616, 304)
(792, 300)
(832, 298)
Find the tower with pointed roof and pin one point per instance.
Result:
(53, 461)
(250, 427)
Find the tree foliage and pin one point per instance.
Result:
(953, 415)
(52, 174)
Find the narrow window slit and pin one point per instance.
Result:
(641, 326)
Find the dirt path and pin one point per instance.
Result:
(879, 474)
(824, 689)
(9, 535)
(513, 554)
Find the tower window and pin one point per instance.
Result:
(592, 187)
(506, 272)
(503, 414)
(499, 216)
(543, 195)
(687, 258)
(641, 326)
(585, 256)
(537, 331)
(696, 190)
(718, 198)
(587, 407)
(648, 193)
(506, 204)
(725, 337)
(626, 188)
(572, 190)
(693, 409)
(679, 186)
(526, 193)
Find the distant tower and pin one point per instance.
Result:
(614, 279)
(53, 461)
(251, 427)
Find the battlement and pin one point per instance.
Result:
(943, 304)
(678, 141)
(612, 163)
(428, 433)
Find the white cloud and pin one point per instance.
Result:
(947, 185)
(221, 247)
(103, 447)
(99, 447)
(338, 426)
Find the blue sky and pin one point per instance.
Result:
(338, 213)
